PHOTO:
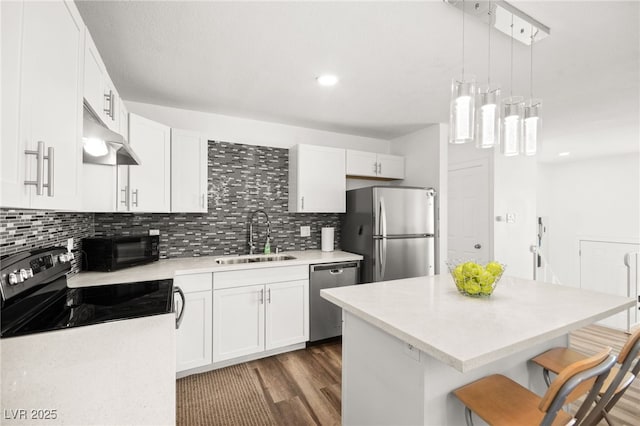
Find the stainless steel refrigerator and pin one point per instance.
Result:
(393, 228)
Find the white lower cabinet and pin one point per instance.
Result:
(193, 339)
(257, 318)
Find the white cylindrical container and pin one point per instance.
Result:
(327, 238)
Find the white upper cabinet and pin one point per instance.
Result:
(372, 165)
(99, 91)
(317, 181)
(149, 188)
(42, 51)
(188, 172)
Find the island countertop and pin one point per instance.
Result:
(464, 332)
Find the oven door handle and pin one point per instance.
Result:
(178, 290)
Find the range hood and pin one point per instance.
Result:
(102, 145)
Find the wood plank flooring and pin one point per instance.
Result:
(304, 387)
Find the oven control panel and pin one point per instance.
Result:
(23, 271)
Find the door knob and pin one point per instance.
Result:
(478, 246)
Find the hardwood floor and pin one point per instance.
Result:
(304, 387)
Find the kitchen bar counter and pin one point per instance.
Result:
(408, 343)
(168, 268)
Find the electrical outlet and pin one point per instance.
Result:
(305, 231)
(511, 218)
(69, 244)
(154, 232)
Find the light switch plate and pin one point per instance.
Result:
(69, 244)
(511, 218)
(305, 231)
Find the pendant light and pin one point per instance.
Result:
(512, 112)
(462, 107)
(531, 113)
(487, 112)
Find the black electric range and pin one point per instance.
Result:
(35, 296)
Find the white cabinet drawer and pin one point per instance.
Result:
(193, 282)
(230, 279)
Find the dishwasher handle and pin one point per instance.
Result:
(334, 268)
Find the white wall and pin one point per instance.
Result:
(515, 192)
(594, 198)
(425, 153)
(252, 132)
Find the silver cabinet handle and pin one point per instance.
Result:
(40, 157)
(110, 101)
(184, 304)
(203, 202)
(50, 171)
(269, 295)
(134, 202)
(125, 194)
(302, 204)
(39, 153)
(379, 168)
(375, 167)
(262, 296)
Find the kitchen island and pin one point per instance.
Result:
(408, 343)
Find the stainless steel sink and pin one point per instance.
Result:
(261, 258)
(271, 258)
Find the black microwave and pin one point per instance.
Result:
(112, 253)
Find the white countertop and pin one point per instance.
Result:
(466, 332)
(168, 268)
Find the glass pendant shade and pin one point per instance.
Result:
(462, 110)
(531, 126)
(488, 118)
(512, 112)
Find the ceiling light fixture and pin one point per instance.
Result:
(515, 126)
(95, 147)
(462, 106)
(488, 113)
(512, 108)
(327, 80)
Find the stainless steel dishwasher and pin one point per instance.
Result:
(325, 318)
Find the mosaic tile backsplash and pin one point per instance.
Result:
(28, 229)
(241, 179)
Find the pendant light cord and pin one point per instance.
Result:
(463, 39)
(511, 78)
(489, 51)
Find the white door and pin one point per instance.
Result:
(602, 269)
(287, 313)
(194, 337)
(188, 172)
(361, 163)
(150, 182)
(468, 198)
(390, 166)
(238, 323)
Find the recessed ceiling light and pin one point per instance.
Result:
(563, 154)
(327, 80)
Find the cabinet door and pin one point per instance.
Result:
(94, 78)
(238, 324)
(317, 179)
(390, 166)
(150, 182)
(123, 122)
(287, 313)
(361, 163)
(188, 172)
(13, 191)
(51, 99)
(194, 337)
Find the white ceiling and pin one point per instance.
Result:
(395, 61)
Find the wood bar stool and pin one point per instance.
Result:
(617, 382)
(499, 400)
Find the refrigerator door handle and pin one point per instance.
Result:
(383, 258)
(383, 218)
(383, 241)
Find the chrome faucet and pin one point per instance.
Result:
(252, 245)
